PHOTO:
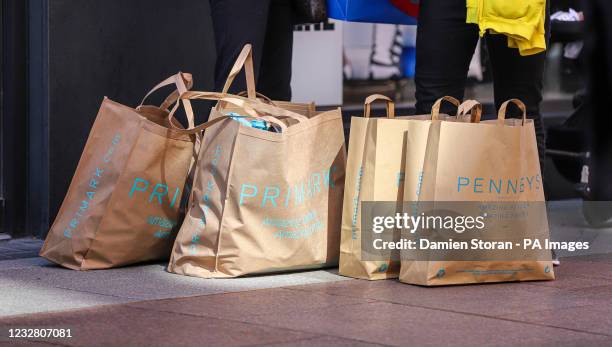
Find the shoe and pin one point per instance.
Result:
(555, 259)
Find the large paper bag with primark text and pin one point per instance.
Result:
(122, 206)
(490, 168)
(375, 173)
(263, 201)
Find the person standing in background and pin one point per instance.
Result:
(268, 26)
(447, 34)
(444, 47)
(599, 89)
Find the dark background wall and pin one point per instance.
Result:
(119, 49)
(14, 119)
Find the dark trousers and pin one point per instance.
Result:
(444, 47)
(268, 26)
(598, 52)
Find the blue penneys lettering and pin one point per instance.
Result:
(289, 196)
(498, 185)
(93, 185)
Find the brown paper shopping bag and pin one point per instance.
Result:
(263, 201)
(491, 167)
(375, 173)
(122, 206)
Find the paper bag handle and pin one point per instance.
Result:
(370, 99)
(473, 107)
(252, 108)
(173, 97)
(435, 109)
(259, 96)
(232, 100)
(501, 114)
(254, 104)
(245, 59)
(183, 82)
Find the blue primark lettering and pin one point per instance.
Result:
(176, 194)
(243, 193)
(513, 185)
(327, 177)
(288, 197)
(270, 197)
(419, 184)
(93, 184)
(313, 185)
(299, 194)
(159, 191)
(136, 188)
(201, 221)
(274, 196)
(159, 194)
(356, 203)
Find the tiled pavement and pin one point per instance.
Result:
(20, 248)
(145, 305)
(575, 310)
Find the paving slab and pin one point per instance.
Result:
(127, 326)
(340, 312)
(596, 269)
(31, 277)
(395, 324)
(15, 264)
(572, 282)
(17, 298)
(567, 223)
(22, 343)
(327, 341)
(253, 303)
(595, 319)
(277, 316)
(146, 305)
(487, 299)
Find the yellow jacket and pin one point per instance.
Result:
(521, 20)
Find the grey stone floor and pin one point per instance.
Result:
(145, 305)
(29, 284)
(573, 310)
(19, 248)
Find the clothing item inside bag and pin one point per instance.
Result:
(254, 123)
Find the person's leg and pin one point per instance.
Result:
(520, 77)
(275, 69)
(444, 47)
(236, 23)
